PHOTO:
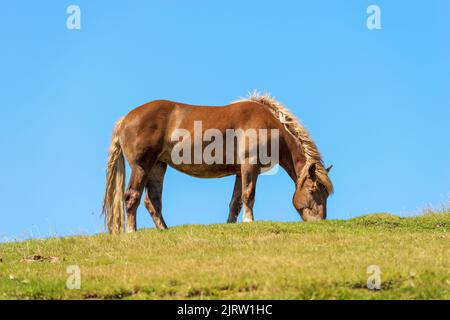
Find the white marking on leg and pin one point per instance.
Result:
(248, 214)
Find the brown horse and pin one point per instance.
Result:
(149, 137)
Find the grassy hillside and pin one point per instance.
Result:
(320, 260)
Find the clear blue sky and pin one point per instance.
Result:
(376, 102)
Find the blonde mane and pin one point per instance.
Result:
(292, 125)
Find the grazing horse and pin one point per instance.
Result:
(145, 137)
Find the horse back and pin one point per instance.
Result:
(148, 129)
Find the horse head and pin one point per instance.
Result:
(310, 197)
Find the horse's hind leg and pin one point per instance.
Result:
(153, 199)
(133, 195)
(236, 201)
(249, 175)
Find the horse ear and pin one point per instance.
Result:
(329, 168)
(312, 171)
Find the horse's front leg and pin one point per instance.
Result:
(249, 175)
(236, 201)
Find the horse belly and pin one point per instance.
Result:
(205, 170)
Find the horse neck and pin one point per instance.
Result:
(292, 159)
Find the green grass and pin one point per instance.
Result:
(262, 260)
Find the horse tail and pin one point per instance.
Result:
(113, 202)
